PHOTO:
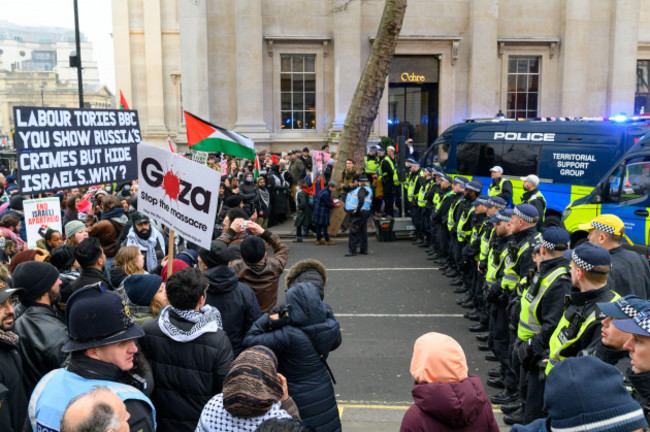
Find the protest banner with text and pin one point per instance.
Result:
(62, 148)
(41, 215)
(178, 192)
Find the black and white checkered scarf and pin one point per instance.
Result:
(207, 320)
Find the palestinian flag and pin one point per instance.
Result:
(204, 136)
(258, 166)
(123, 104)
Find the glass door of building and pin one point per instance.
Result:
(413, 113)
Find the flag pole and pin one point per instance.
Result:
(170, 256)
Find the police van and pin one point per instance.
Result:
(569, 156)
(623, 190)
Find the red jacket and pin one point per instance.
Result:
(450, 406)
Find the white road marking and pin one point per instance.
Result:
(352, 315)
(384, 269)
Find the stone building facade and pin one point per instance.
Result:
(284, 71)
(44, 88)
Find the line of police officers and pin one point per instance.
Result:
(534, 298)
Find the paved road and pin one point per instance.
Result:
(384, 301)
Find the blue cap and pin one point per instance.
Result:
(498, 202)
(482, 200)
(412, 161)
(624, 308)
(527, 212)
(554, 238)
(588, 255)
(475, 185)
(381, 150)
(639, 325)
(460, 180)
(503, 215)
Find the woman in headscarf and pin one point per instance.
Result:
(253, 392)
(446, 397)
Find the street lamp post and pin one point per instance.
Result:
(78, 47)
(42, 99)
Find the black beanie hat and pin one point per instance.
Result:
(62, 257)
(16, 202)
(142, 288)
(252, 249)
(35, 278)
(217, 255)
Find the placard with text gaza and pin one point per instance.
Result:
(41, 215)
(62, 148)
(178, 192)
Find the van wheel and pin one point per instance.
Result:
(552, 220)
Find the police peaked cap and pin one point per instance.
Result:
(97, 316)
(527, 212)
(474, 185)
(554, 238)
(588, 256)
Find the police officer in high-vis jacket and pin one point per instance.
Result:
(357, 203)
(542, 305)
(371, 162)
(579, 327)
(533, 196)
(500, 187)
(102, 348)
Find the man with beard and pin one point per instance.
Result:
(12, 391)
(150, 241)
(103, 353)
(41, 330)
(91, 258)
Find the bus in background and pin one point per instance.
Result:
(569, 156)
(624, 191)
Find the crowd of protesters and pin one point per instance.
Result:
(97, 334)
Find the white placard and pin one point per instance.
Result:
(178, 193)
(200, 157)
(40, 215)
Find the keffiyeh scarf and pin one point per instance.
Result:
(206, 320)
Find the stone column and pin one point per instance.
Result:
(483, 82)
(621, 84)
(153, 59)
(250, 87)
(575, 49)
(192, 21)
(122, 45)
(347, 60)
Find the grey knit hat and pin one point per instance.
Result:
(72, 227)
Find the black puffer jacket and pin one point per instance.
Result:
(236, 302)
(187, 374)
(42, 334)
(310, 327)
(250, 195)
(630, 273)
(14, 400)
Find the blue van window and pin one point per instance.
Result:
(437, 154)
(476, 159)
(520, 159)
(634, 184)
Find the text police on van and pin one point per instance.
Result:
(527, 136)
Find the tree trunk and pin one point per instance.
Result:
(365, 103)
